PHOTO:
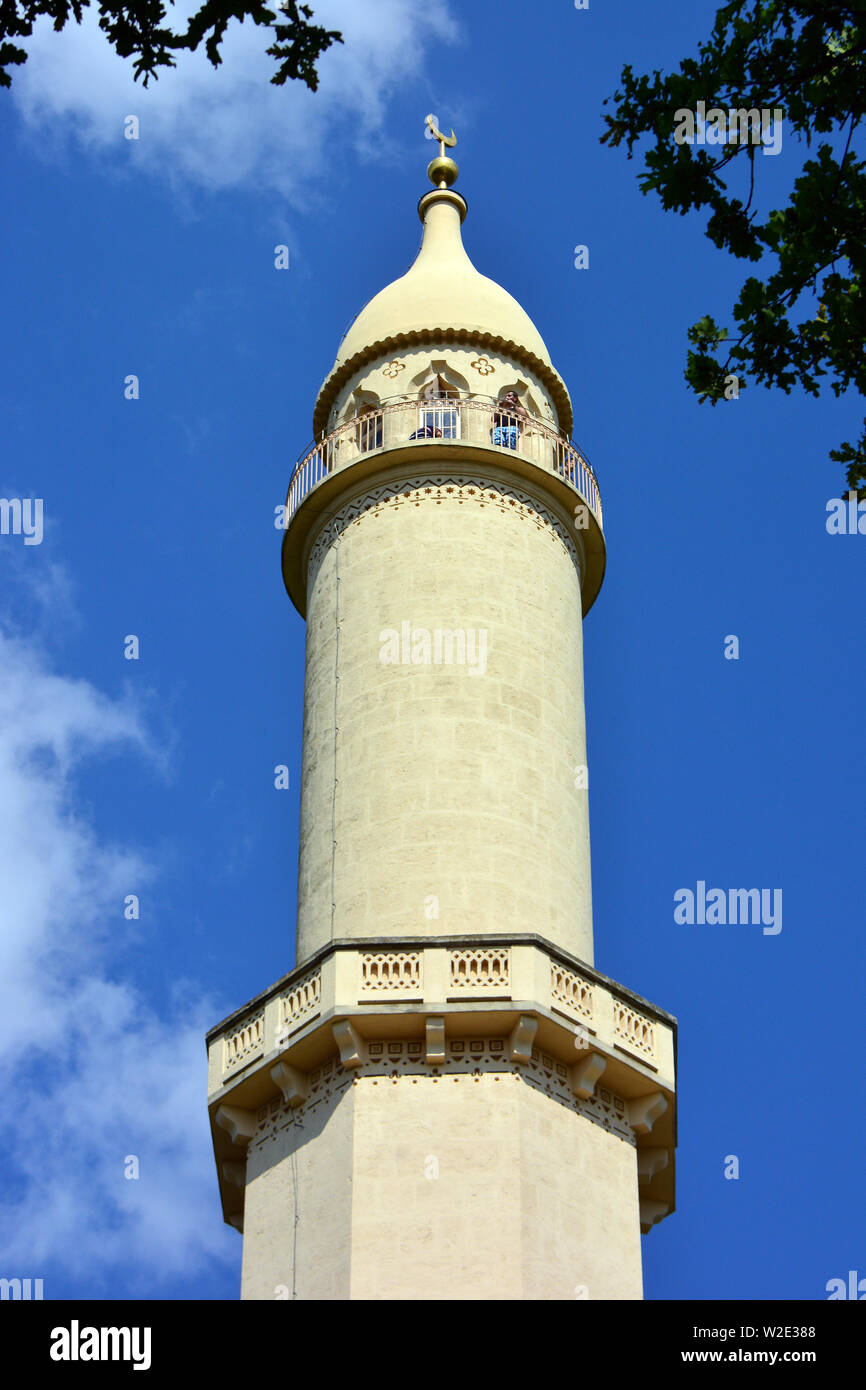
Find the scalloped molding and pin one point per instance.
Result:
(333, 384)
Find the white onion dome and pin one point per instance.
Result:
(442, 296)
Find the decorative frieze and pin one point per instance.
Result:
(473, 1060)
(318, 1087)
(443, 489)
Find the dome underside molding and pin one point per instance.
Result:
(436, 336)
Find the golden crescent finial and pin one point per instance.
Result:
(449, 140)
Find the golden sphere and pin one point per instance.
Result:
(442, 171)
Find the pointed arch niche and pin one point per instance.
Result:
(524, 395)
(364, 407)
(439, 388)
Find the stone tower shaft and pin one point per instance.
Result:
(438, 547)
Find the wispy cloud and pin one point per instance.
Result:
(230, 127)
(96, 1071)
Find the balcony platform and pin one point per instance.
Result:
(339, 468)
(429, 1004)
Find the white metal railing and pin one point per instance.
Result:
(443, 421)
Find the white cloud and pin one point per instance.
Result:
(231, 127)
(93, 1071)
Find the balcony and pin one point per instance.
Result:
(444, 421)
(417, 1009)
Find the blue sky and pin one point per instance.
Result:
(155, 777)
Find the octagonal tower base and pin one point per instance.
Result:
(444, 1120)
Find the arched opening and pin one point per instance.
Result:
(439, 410)
(368, 428)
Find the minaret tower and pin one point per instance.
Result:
(444, 1099)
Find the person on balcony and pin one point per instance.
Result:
(569, 462)
(426, 432)
(508, 420)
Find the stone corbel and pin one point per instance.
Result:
(645, 1110)
(585, 1074)
(435, 1041)
(235, 1173)
(240, 1125)
(349, 1043)
(521, 1039)
(294, 1084)
(651, 1212)
(650, 1162)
